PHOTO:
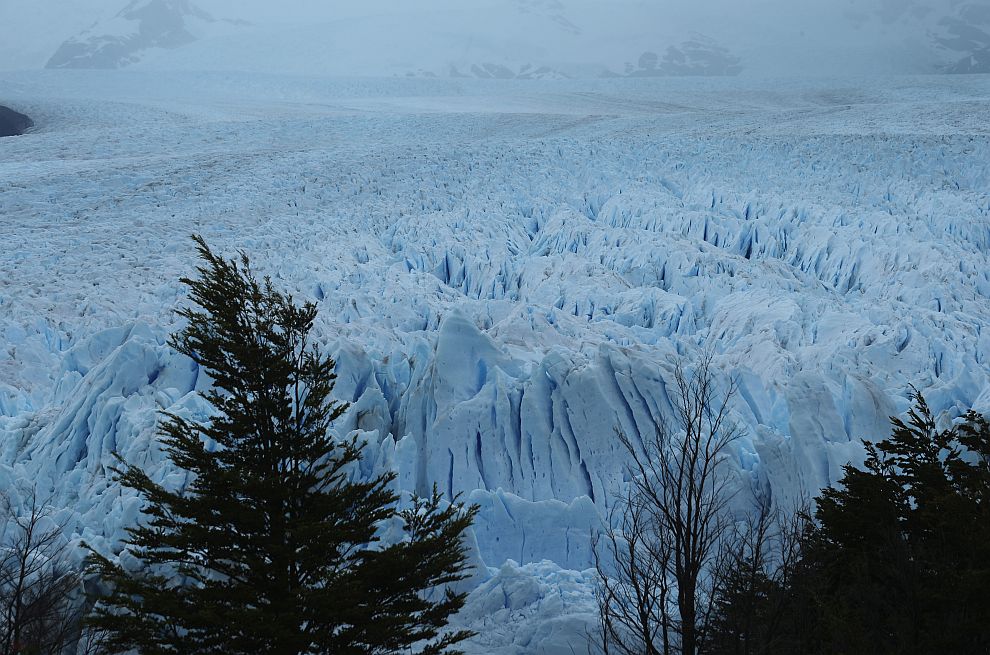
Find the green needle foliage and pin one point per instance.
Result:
(897, 561)
(903, 547)
(273, 546)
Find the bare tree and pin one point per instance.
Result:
(752, 598)
(633, 601)
(667, 533)
(41, 598)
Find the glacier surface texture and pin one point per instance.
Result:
(506, 274)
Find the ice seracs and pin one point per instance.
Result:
(506, 275)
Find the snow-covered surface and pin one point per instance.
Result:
(505, 273)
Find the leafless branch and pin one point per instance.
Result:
(667, 532)
(41, 598)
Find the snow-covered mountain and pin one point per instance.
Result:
(945, 35)
(526, 39)
(501, 38)
(964, 38)
(142, 26)
(505, 273)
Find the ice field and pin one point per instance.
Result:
(506, 273)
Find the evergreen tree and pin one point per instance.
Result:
(903, 546)
(858, 559)
(898, 560)
(273, 546)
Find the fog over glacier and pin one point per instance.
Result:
(585, 38)
(514, 216)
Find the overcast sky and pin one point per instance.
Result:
(772, 37)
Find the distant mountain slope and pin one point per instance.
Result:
(951, 36)
(553, 9)
(964, 38)
(699, 55)
(977, 61)
(141, 26)
(501, 39)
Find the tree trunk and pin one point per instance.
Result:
(687, 609)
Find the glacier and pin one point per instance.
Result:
(506, 273)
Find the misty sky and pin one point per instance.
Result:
(771, 37)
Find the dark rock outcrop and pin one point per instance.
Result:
(698, 56)
(13, 123)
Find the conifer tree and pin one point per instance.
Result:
(897, 560)
(905, 543)
(273, 546)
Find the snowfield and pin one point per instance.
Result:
(506, 272)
